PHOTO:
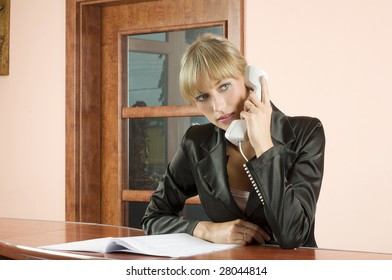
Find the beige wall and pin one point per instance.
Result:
(328, 59)
(32, 113)
(332, 59)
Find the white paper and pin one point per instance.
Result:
(166, 245)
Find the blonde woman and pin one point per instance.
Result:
(270, 198)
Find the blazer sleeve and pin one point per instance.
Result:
(175, 187)
(288, 179)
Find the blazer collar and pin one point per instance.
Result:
(281, 130)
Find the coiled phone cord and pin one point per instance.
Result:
(253, 182)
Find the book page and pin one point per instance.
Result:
(173, 245)
(165, 245)
(99, 245)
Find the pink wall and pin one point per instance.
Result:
(32, 113)
(332, 59)
(328, 59)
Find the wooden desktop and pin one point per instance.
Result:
(20, 239)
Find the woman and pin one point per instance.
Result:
(269, 199)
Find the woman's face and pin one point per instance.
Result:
(223, 101)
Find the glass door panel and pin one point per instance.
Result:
(153, 68)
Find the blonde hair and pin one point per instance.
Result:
(209, 58)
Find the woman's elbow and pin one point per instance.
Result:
(290, 243)
(291, 240)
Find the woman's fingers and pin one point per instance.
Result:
(265, 98)
(232, 232)
(257, 101)
(258, 235)
(252, 232)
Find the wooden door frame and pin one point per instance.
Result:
(83, 108)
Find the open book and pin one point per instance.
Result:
(164, 245)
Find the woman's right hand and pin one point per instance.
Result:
(233, 232)
(257, 113)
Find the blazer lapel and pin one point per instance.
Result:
(213, 169)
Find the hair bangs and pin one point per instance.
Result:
(209, 59)
(206, 67)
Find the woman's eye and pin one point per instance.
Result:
(225, 86)
(201, 97)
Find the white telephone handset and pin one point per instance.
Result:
(237, 129)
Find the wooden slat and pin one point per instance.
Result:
(144, 196)
(83, 114)
(160, 112)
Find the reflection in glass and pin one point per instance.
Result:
(147, 149)
(146, 79)
(147, 153)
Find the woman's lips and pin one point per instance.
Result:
(226, 118)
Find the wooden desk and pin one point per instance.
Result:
(20, 238)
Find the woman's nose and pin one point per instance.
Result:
(218, 103)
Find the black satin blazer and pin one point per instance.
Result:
(288, 180)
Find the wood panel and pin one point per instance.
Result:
(72, 108)
(83, 116)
